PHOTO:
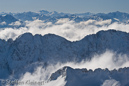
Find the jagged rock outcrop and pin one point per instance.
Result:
(98, 77)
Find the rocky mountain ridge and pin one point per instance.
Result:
(28, 49)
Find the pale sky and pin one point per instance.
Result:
(67, 6)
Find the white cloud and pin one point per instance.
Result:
(70, 30)
(103, 22)
(17, 23)
(42, 75)
(38, 24)
(116, 19)
(34, 18)
(106, 60)
(3, 23)
(111, 82)
(63, 20)
(11, 33)
(90, 21)
(127, 21)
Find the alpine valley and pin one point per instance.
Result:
(63, 49)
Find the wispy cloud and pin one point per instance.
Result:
(17, 23)
(108, 60)
(111, 82)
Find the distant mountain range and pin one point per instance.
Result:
(7, 18)
(45, 15)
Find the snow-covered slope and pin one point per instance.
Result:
(28, 49)
(115, 16)
(8, 20)
(98, 77)
(52, 14)
(30, 16)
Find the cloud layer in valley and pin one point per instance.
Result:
(66, 28)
